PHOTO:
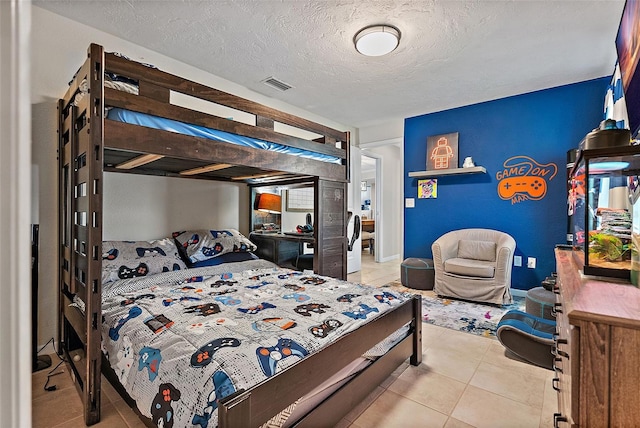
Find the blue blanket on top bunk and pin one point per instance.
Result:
(156, 122)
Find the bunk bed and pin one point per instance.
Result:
(96, 137)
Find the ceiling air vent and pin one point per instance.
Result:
(276, 84)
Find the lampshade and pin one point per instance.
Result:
(377, 40)
(269, 202)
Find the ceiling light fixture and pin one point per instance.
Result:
(377, 40)
(603, 167)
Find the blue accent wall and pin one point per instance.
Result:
(542, 125)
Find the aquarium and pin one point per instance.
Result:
(603, 206)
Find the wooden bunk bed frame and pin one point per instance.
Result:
(89, 145)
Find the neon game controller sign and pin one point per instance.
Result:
(524, 179)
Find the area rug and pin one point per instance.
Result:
(461, 315)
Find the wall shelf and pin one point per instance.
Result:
(452, 171)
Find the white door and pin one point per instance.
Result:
(354, 257)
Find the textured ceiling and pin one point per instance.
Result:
(452, 53)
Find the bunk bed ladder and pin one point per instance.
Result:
(330, 209)
(81, 166)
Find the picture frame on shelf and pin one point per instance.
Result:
(442, 151)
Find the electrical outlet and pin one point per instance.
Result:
(531, 262)
(517, 261)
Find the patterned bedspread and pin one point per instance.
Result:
(179, 341)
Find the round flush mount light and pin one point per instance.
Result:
(603, 167)
(377, 40)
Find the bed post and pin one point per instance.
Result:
(416, 357)
(330, 210)
(63, 258)
(80, 229)
(94, 236)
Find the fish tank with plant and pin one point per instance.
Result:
(604, 186)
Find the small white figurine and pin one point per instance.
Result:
(468, 162)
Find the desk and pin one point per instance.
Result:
(279, 248)
(368, 234)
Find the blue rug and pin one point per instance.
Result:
(469, 317)
(461, 315)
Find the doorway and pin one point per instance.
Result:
(370, 204)
(388, 211)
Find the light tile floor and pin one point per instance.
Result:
(464, 381)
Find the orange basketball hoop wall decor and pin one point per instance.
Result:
(442, 151)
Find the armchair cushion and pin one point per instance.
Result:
(468, 267)
(477, 250)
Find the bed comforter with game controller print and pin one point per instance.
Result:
(179, 341)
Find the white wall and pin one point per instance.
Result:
(389, 228)
(292, 219)
(146, 207)
(59, 47)
(385, 140)
(45, 204)
(354, 257)
(15, 182)
(381, 132)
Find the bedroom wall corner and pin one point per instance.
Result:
(44, 212)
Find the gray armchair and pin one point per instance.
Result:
(474, 264)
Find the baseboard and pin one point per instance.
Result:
(388, 259)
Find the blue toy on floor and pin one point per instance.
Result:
(528, 336)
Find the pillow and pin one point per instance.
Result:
(130, 259)
(477, 250)
(226, 258)
(202, 245)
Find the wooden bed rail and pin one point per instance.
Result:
(155, 86)
(177, 146)
(142, 104)
(158, 84)
(257, 405)
(154, 98)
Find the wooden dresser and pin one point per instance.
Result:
(597, 353)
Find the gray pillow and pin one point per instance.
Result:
(200, 245)
(477, 250)
(130, 259)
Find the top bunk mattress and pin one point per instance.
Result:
(156, 122)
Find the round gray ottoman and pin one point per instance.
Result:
(539, 302)
(417, 273)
